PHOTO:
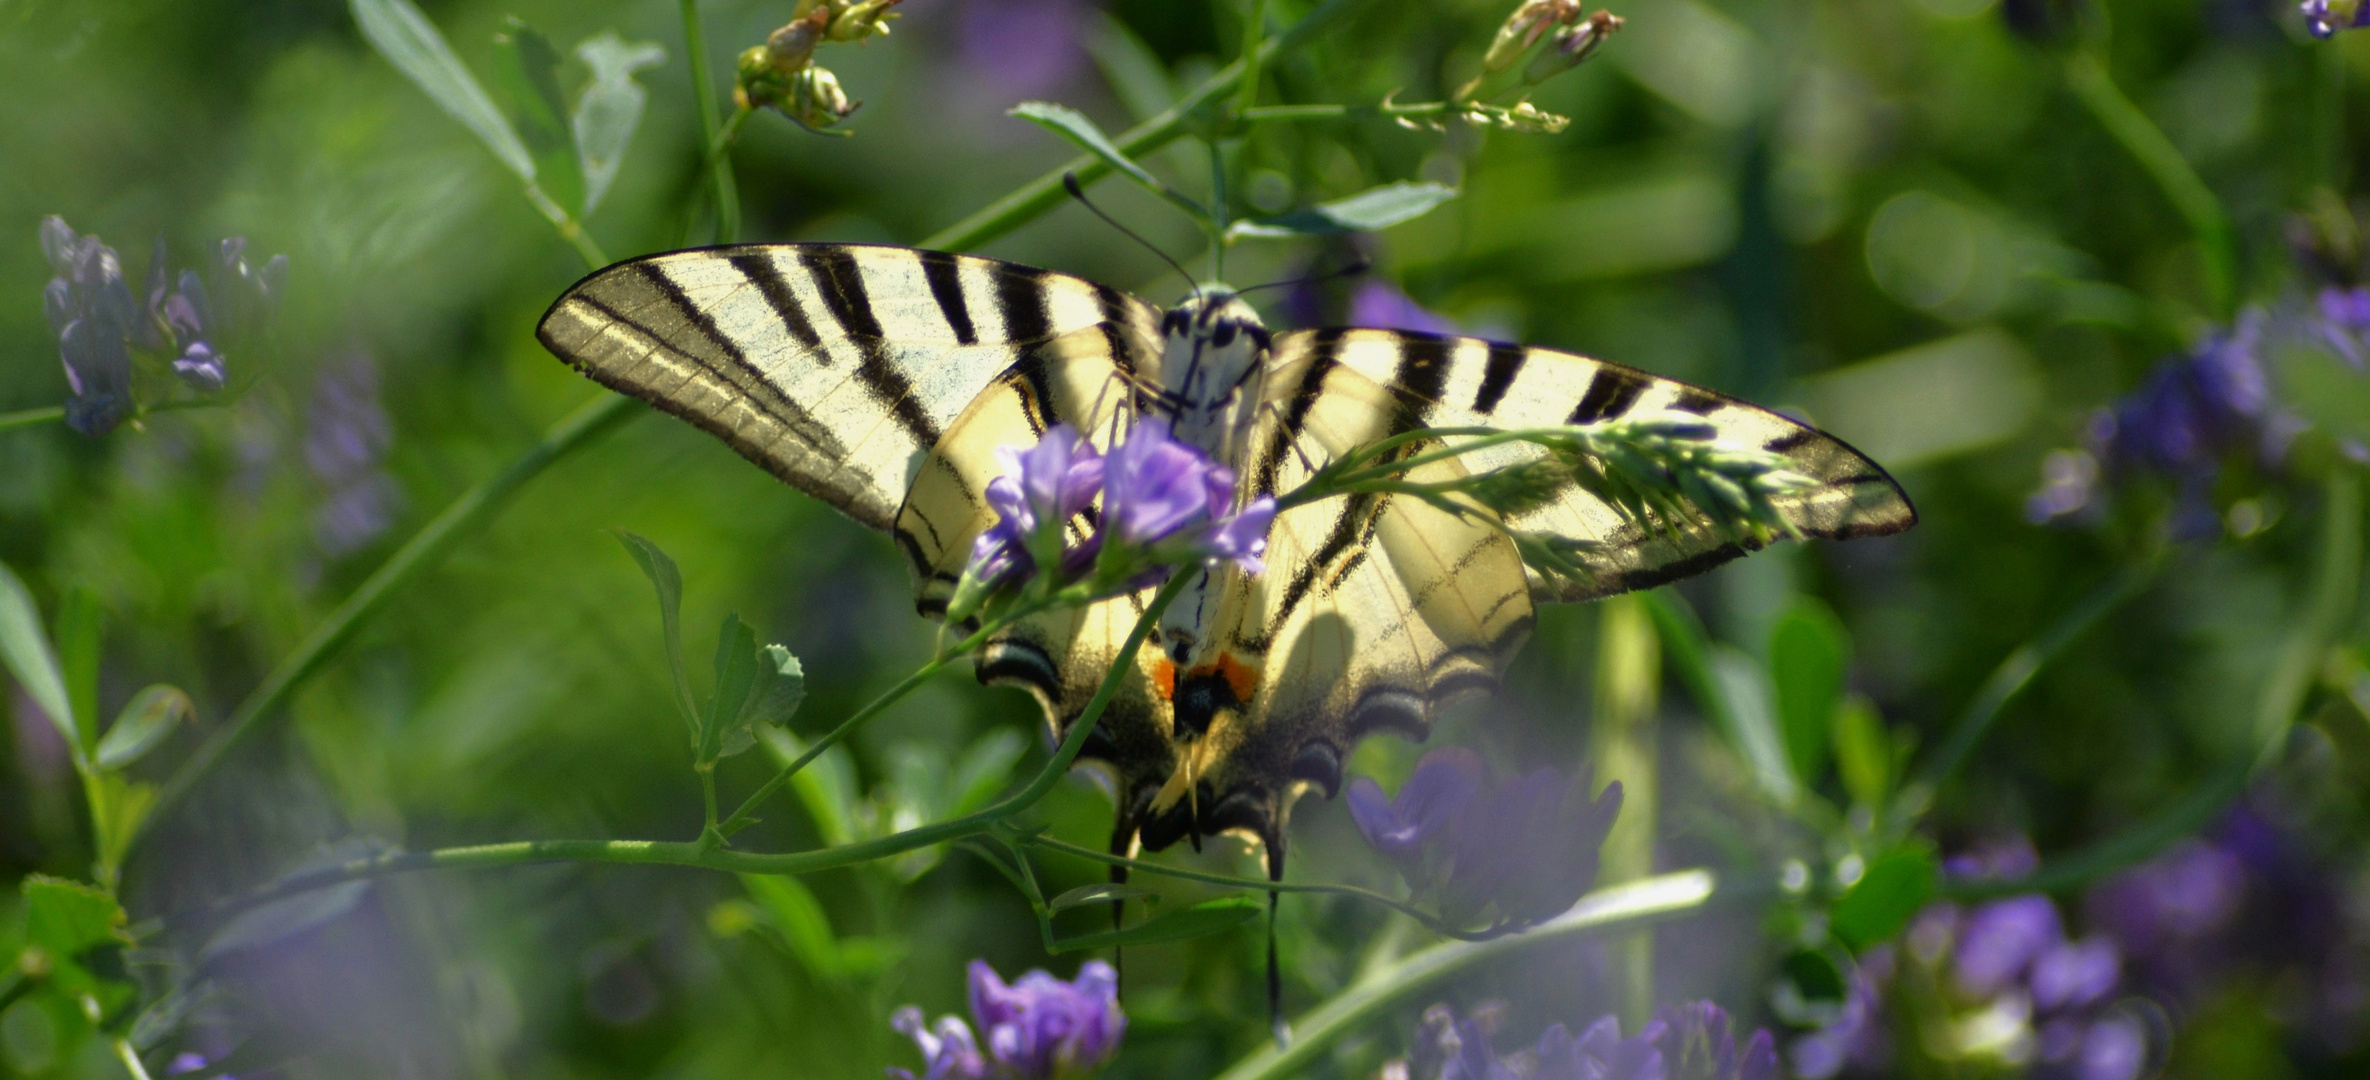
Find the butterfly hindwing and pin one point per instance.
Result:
(834, 366)
(1444, 381)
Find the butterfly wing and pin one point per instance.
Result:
(836, 367)
(1443, 381)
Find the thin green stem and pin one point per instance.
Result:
(130, 1059)
(423, 551)
(1045, 192)
(1254, 28)
(2328, 603)
(569, 228)
(2139, 136)
(1430, 921)
(1386, 110)
(31, 417)
(712, 857)
(2017, 671)
(703, 96)
(1619, 909)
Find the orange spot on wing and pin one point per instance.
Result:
(1242, 678)
(1164, 678)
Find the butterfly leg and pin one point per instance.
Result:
(1274, 843)
(1123, 844)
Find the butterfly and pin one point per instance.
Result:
(882, 380)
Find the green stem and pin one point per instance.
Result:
(423, 551)
(130, 1059)
(31, 417)
(711, 857)
(2336, 581)
(1045, 192)
(741, 818)
(703, 96)
(1254, 27)
(1386, 110)
(1619, 909)
(2139, 136)
(569, 228)
(2016, 672)
(1430, 921)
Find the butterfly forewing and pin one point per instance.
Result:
(1468, 382)
(836, 367)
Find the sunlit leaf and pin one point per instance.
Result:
(1073, 125)
(736, 676)
(144, 722)
(1882, 902)
(1367, 211)
(669, 582)
(611, 107)
(526, 70)
(792, 910)
(779, 687)
(24, 644)
(410, 42)
(1808, 652)
(1200, 920)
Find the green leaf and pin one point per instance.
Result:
(526, 69)
(1815, 975)
(151, 715)
(610, 108)
(669, 582)
(1808, 652)
(1752, 723)
(410, 42)
(794, 913)
(81, 626)
(1864, 754)
(736, 675)
(25, 647)
(284, 918)
(1368, 211)
(777, 688)
(1885, 898)
(1137, 77)
(985, 767)
(1101, 893)
(66, 920)
(1073, 125)
(826, 787)
(1200, 920)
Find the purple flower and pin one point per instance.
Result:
(2115, 1048)
(1041, 490)
(91, 309)
(1703, 1045)
(1037, 1028)
(2345, 324)
(948, 1052)
(1528, 849)
(1167, 497)
(1026, 48)
(2000, 939)
(1600, 1053)
(1381, 304)
(1399, 827)
(2072, 974)
(2324, 18)
(347, 435)
(1856, 1038)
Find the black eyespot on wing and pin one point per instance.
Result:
(1319, 763)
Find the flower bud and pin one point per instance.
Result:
(855, 22)
(1573, 45)
(816, 99)
(793, 46)
(1523, 29)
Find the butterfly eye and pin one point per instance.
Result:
(1224, 335)
(1318, 763)
(1258, 337)
(1174, 323)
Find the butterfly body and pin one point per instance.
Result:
(883, 380)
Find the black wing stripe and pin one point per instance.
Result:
(762, 394)
(840, 281)
(1698, 401)
(692, 314)
(1505, 362)
(946, 287)
(1791, 441)
(766, 274)
(1325, 355)
(1610, 393)
(1020, 299)
(1421, 376)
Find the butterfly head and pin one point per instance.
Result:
(1213, 346)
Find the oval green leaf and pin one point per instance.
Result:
(151, 715)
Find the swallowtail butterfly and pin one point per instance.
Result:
(881, 380)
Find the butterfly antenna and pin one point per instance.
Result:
(1070, 184)
(1353, 268)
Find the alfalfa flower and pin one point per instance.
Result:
(2324, 18)
(1522, 852)
(1036, 1028)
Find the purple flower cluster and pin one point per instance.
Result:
(2193, 411)
(1036, 1028)
(1163, 504)
(1695, 1041)
(184, 320)
(1527, 848)
(2324, 18)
